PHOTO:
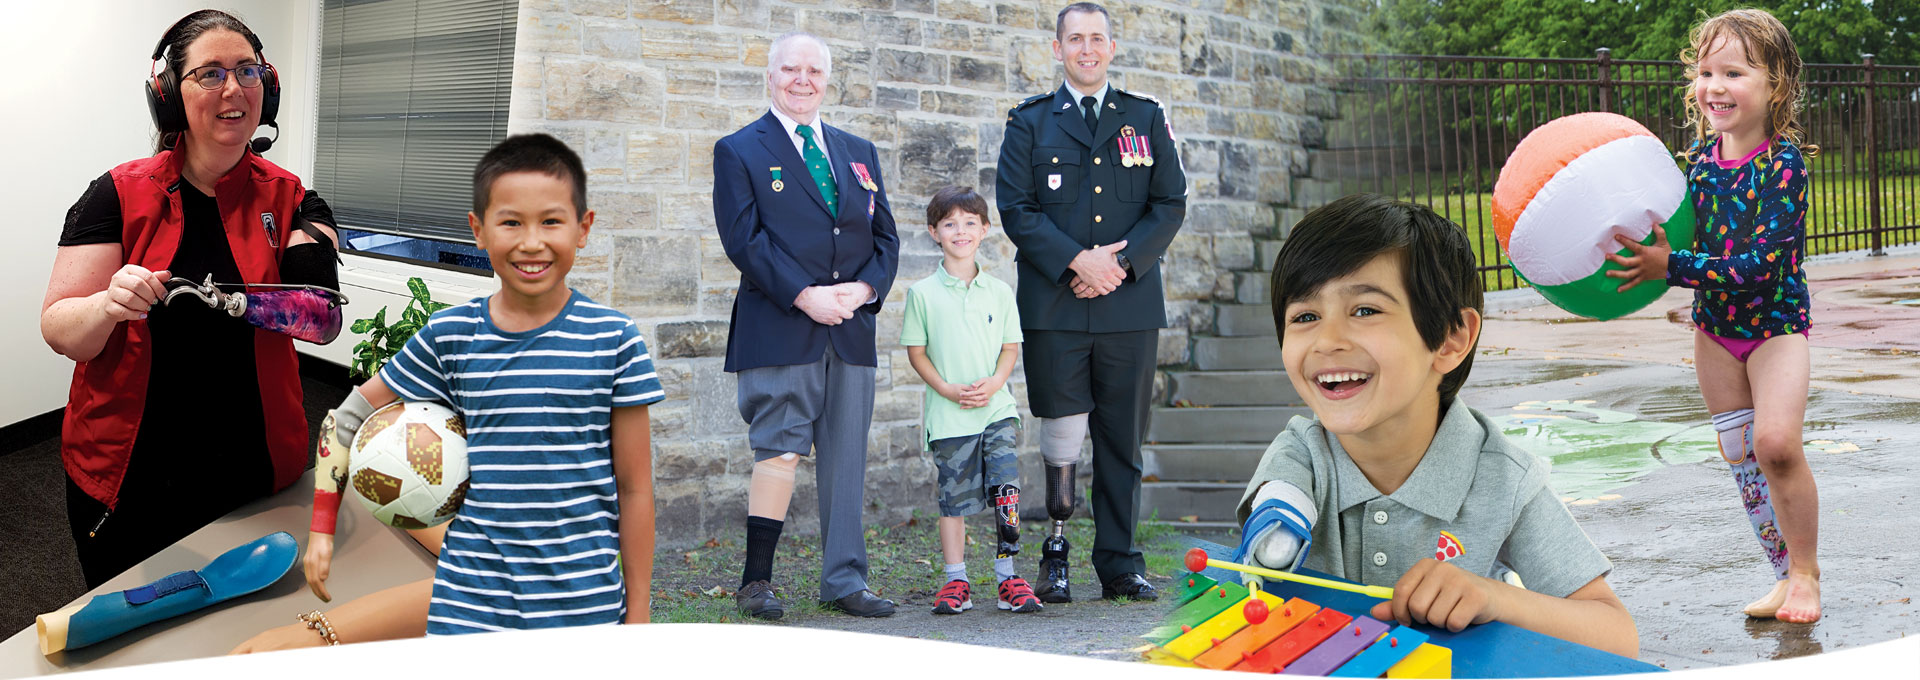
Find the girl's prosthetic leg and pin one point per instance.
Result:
(1736, 447)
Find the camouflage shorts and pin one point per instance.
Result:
(968, 465)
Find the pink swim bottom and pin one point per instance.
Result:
(1740, 348)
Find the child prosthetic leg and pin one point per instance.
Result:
(1736, 447)
(1006, 515)
(240, 571)
(1060, 445)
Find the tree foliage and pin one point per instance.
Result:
(1825, 31)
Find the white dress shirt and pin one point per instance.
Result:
(1098, 97)
(800, 143)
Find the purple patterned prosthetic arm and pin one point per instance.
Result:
(310, 315)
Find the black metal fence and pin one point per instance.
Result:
(1436, 130)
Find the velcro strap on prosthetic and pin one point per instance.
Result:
(167, 585)
(1274, 514)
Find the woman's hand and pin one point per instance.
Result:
(290, 636)
(318, 560)
(132, 292)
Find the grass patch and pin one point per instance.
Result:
(904, 564)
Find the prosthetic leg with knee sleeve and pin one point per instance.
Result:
(1060, 445)
(1736, 447)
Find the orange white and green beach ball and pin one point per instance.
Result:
(1568, 188)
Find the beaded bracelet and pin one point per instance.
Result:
(317, 622)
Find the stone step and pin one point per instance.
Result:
(1265, 251)
(1205, 501)
(1243, 320)
(1220, 425)
(1309, 191)
(1232, 388)
(1250, 288)
(1287, 218)
(1253, 353)
(1356, 162)
(1200, 462)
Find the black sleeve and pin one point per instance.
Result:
(95, 218)
(310, 264)
(315, 209)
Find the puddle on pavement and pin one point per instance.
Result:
(1595, 450)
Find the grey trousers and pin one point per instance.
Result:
(824, 408)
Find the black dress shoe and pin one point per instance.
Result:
(1129, 586)
(864, 603)
(757, 600)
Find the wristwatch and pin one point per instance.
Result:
(1121, 259)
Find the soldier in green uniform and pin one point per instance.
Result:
(1091, 191)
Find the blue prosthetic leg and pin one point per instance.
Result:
(1736, 447)
(240, 571)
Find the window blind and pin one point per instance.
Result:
(412, 93)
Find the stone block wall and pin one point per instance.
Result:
(643, 88)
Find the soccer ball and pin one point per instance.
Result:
(409, 464)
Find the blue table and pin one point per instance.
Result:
(1490, 650)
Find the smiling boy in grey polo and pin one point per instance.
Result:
(1394, 482)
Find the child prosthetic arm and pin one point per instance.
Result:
(1280, 530)
(1060, 445)
(329, 480)
(242, 570)
(330, 458)
(1736, 447)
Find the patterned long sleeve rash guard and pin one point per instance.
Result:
(1750, 236)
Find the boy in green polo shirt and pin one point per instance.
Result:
(962, 334)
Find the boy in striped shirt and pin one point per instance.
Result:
(554, 390)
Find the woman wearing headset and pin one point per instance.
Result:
(180, 413)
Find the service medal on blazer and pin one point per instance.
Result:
(777, 184)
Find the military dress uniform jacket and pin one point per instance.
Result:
(1062, 190)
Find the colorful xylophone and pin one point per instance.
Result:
(1223, 626)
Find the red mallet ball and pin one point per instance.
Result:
(1256, 611)
(1196, 560)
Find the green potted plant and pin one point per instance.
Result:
(383, 340)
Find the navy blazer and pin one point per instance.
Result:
(784, 241)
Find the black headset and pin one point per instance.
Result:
(162, 92)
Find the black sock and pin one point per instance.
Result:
(762, 535)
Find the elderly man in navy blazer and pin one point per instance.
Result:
(803, 214)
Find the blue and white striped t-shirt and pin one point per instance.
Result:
(537, 541)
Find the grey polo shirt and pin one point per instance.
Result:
(1488, 494)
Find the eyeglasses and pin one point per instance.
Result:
(215, 77)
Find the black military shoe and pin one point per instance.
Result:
(1129, 586)
(864, 603)
(757, 600)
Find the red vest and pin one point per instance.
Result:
(109, 393)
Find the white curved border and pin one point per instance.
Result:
(1621, 187)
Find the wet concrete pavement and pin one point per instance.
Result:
(1615, 407)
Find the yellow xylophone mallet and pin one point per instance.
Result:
(1197, 561)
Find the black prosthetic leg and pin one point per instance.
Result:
(1052, 586)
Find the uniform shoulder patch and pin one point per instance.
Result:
(1030, 101)
(1140, 95)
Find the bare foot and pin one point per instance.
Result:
(1767, 605)
(1802, 604)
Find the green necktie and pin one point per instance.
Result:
(817, 166)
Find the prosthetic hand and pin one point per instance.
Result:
(329, 480)
(1279, 531)
(310, 313)
(1006, 514)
